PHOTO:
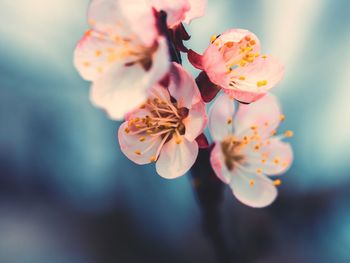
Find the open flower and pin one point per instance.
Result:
(180, 10)
(246, 153)
(234, 63)
(123, 54)
(164, 128)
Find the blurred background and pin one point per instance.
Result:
(67, 194)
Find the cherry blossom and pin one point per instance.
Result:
(123, 54)
(247, 152)
(165, 127)
(180, 10)
(234, 63)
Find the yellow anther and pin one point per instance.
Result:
(138, 152)
(142, 139)
(276, 161)
(261, 83)
(242, 78)
(247, 38)
(242, 63)
(153, 159)
(264, 57)
(98, 53)
(87, 64)
(254, 127)
(127, 130)
(289, 134)
(263, 160)
(257, 147)
(277, 182)
(252, 42)
(229, 121)
(282, 117)
(178, 141)
(251, 183)
(256, 54)
(259, 171)
(99, 69)
(250, 59)
(213, 38)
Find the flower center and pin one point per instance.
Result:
(231, 149)
(164, 119)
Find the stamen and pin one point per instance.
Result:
(277, 182)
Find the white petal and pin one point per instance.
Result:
(195, 122)
(176, 159)
(123, 88)
(274, 158)
(264, 115)
(140, 152)
(220, 117)
(198, 8)
(252, 189)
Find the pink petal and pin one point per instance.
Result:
(262, 116)
(215, 66)
(140, 152)
(218, 164)
(183, 87)
(198, 8)
(176, 10)
(195, 122)
(252, 189)
(176, 159)
(123, 88)
(259, 77)
(225, 52)
(220, 118)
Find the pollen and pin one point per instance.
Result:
(259, 171)
(153, 159)
(276, 161)
(289, 134)
(251, 183)
(178, 141)
(213, 38)
(229, 44)
(277, 182)
(261, 83)
(282, 117)
(242, 78)
(138, 152)
(98, 53)
(263, 160)
(264, 57)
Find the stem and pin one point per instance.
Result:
(209, 192)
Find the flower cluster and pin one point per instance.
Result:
(132, 56)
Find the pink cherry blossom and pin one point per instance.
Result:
(164, 129)
(234, 63)
(123, 54)
(181, 10)
(246, 152)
